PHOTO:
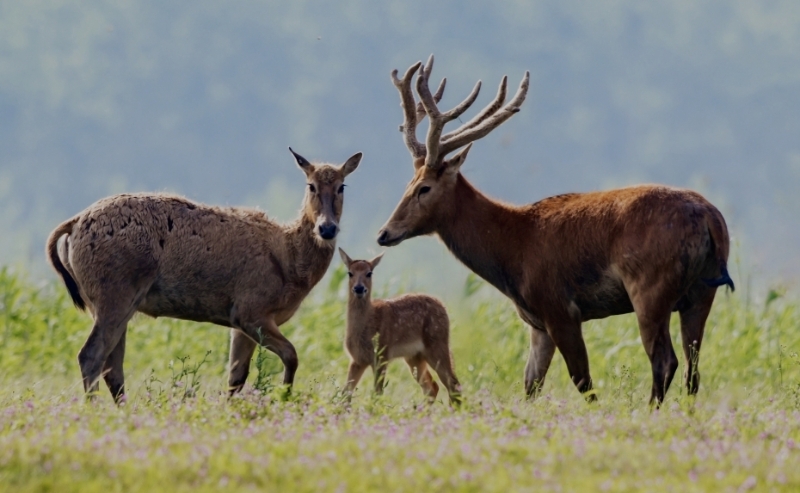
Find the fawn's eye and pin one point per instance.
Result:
(312, 188)
(350, 274)
(341, 189)
(422, 190)
(369, 274)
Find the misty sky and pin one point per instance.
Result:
(203, 98)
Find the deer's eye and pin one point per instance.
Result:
(369, 274)
(341, 189)
(350, 274)
(423, 190)
(312, 188)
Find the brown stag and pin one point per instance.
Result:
(569, 258)
(166, 256)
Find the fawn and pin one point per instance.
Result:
(413, 326)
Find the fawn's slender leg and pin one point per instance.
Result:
(419, 368)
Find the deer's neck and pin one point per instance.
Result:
(310, 256)
(484, 235)
(359, 315)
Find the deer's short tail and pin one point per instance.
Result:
(720, 245)
(58, 265)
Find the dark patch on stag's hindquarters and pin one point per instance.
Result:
(169, 223)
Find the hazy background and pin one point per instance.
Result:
(202, 98)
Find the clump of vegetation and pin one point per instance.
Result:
(178, 431)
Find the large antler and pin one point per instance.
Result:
(436, 146)
(413, 112)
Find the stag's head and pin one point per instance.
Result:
(360, 273)
(324, 197)
(429, 198)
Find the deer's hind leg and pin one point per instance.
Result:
(113, 372)
(419, 368)
(694, 309)
(439, 358)
(104, 350)
(653, 306)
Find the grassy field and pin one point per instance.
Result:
(178, 432)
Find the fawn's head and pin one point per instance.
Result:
(360, 274)
(430, 198)
(324, 197)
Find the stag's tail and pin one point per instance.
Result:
(58, 265)
(720, 244)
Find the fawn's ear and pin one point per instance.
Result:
(374, 262)
(347, 260)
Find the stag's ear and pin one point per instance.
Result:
(307, 167)
(453, 164)
(351, 164)
(347, 260)
(374, 262)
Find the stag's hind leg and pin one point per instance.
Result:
(653, 308)
(419, 368)
(694, 311)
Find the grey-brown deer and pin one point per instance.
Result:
(166, 256)
(413, 326)
(569, 258)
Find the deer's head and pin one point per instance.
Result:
(429, 198)
(360, 274)
(324, 197)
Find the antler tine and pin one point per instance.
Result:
(437, 119)
(429, 105)
(488, 111)
(409, 126)
(437, 96)
(464, 105)
(489, 123)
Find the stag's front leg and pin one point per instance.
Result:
(566, 333)
(541, 355)
(242, 348)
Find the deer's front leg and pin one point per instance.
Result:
(354, 374)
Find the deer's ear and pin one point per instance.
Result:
(374, 262)
(454, 163)
(347, 260)
(307, 167)
(351, 164)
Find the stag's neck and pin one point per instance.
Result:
(480, 233)
(309, 256)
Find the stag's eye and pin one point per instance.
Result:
(350, 274)
(423, 190)
(369, 274)
(341, 189)
(312, 188)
